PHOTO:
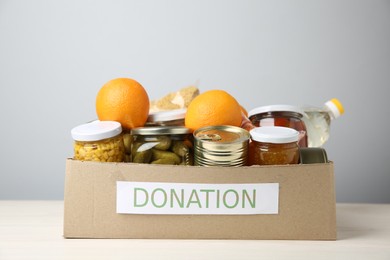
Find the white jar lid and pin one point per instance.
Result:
(169, 115)
(96, 130)
(274, 134)
(275, 108)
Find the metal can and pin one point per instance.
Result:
(221, 146)
(310, 155)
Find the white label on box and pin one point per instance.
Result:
(197, 198)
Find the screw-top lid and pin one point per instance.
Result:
(160, 130)
(275, 108)
(274, 134)
(96, 130)
(335, 107)
(169, 115)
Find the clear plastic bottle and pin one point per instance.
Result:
(318, 121)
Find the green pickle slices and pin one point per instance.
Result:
(162, 149)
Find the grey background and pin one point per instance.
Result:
(55, 56)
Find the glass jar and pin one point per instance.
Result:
(98, 141)
(162, 145)
(167, 118)
(273, 145)
(280, 115)
(127, 141)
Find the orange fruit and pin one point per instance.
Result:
(123, 100)
(213, 107)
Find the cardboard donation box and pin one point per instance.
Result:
(127, 200)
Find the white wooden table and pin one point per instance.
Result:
(33, 230)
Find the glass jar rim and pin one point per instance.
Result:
(160, 130)
(96, 130)
(274, 134)
(275, 108)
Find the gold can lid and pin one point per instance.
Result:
(221, 134)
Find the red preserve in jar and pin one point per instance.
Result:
(273, 145)
(280, 115)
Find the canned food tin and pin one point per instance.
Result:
(310, 155)
(221, 146)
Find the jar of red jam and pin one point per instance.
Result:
(273, 145)
(280, 115)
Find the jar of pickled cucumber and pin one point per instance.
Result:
(273, 145)
(162, 145)
(98, 141)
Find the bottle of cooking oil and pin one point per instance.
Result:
(318, 121)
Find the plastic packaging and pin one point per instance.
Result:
(246, 123)
(318, 121)
(98, 141)
(273, 145)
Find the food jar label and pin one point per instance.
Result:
(197, 198)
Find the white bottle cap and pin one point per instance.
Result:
(274, 134)
(96, 130)
(335, 107)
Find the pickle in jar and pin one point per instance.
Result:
(168, 144)
(163, 142)
(179, 148)
(158, 154)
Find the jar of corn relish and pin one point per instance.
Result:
(98, 141)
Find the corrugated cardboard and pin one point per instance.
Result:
(306, 203)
